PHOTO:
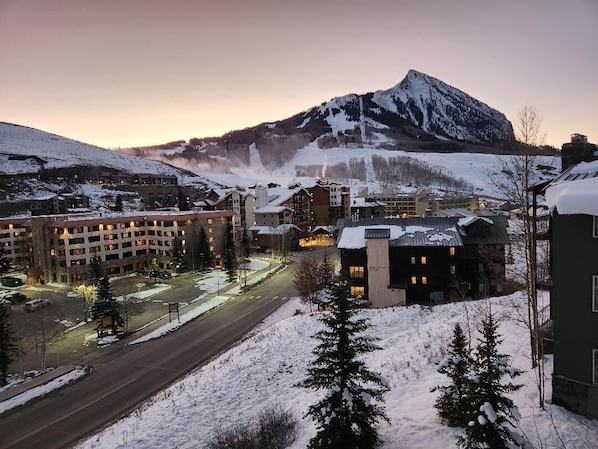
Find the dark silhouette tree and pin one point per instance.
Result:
(454, 402)
(118, 204)
(105, 305)
(205, 255)
(493, 419)
(5, 264)
(230, 259)
(177, 256)
(8, 344)
(347, 415)
(306, 280)
(182, 201)
(245, 245)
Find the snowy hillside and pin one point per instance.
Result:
(27, 150)
(262, 371)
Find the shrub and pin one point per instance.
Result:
(273, 428)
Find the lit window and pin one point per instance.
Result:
(357, 290)
(452, 250)
(414, 280)
(356, 272)
(594, 293)
(412, 260)
(424, 280)
(424, 260)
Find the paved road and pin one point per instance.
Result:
(124, 376)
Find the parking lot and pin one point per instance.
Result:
(58, 332)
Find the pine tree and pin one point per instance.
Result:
(205, 255)
(177, 257)
(230, 259)
(245, 244)
(4, 261)
(453, 403)
(494, 415)
(347, 415)
(105, 305)
(8, 344)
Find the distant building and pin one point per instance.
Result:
(423, 260)
(15, 238)
(330, 201)
(423, 202)
(576, 151)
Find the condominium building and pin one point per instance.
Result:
(62, 245)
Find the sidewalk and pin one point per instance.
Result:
(36, 381)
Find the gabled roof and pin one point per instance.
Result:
(428, 231)
(273, 230)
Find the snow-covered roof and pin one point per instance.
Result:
(575, 191)
(273, 230)
(410, 235)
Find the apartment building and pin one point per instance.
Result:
(15, 239)
(60, 246)
(422, 203)
(330, 201)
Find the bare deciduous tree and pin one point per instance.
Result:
(518, 176)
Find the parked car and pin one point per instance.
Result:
(36, 304)
(18, 297)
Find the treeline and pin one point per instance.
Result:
(354, 169)
(414, 172)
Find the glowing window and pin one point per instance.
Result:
(424, 280)
(357, 290)
(452, 250)
(356, 272)
(424, 260)
(414, 280)
(412, 260)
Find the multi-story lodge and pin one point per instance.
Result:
(421, 203)
(423, 260)
(573, 201)
(15, 239)
(62, 245)
(330, 201)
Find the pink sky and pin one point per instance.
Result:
(119, 73)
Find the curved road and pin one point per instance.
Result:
(126, 375)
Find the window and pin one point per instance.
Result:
(412, 260)
(595, 227)
(357, 290)
(424, 260)
(594, 293)
(424, 280)
(595, 371)
(414, 280)
(452, 250)
(453, 269)
(356, 272)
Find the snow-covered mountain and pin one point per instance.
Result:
(26, 150)
(419, 101)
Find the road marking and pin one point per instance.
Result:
(284, 298)
(275, 297)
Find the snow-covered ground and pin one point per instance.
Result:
(262, 371)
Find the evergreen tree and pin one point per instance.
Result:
(494, 415)
(105, 305)
(4, 261)
(230, 259)
(205, 255)
(182, 202)
(347, 415)
(118, 204)
(8, 344)
(453, 403)
(245, 244)
(177, 257)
